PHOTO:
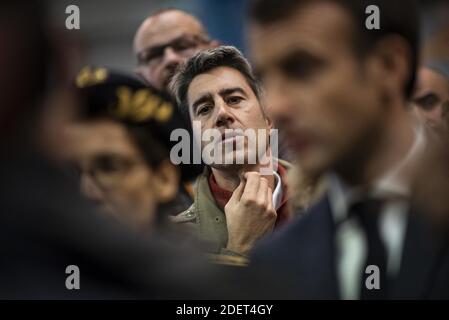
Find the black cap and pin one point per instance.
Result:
(124, 98)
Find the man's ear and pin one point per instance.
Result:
(166, 181)
(392, 64)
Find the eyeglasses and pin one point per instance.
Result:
(108, 171)
(184, 46)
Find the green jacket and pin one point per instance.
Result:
(206, 220)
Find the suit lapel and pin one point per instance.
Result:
(422, 250)
(317, 265)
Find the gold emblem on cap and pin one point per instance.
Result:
(91, 76)
(141, 105)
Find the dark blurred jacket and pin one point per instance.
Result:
(304, 257)
(45, 226)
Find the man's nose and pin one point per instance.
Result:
(224, 115)
(90, 189)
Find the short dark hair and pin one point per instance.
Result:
(204, 61)
(399, 17)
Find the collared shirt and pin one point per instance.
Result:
(277, 193)
(350, 239)
(206, 219)
(280, 195)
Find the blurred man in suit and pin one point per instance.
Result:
(340, 90)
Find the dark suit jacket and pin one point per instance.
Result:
(303, 258)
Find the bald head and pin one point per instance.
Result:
(163, 41)
(161, 26)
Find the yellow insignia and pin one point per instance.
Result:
(89, 77)
(141, 105)
(164, 112)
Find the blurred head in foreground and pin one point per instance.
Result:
(119, 145)
(336, 87)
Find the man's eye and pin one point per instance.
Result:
(301, 66)
(296, 69)
(150, 57)
(234, 100)
(204, 109)
(427, 102)
(109, 164)
(156, 57)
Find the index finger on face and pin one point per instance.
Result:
(237, 193)
(252, 185)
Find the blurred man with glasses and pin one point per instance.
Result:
(165, 40)
(119, 147)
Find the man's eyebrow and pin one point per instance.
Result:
(203, 98)
(229, 91)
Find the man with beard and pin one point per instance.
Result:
(236, 202)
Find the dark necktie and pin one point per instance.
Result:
(368, 212)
